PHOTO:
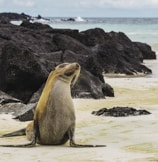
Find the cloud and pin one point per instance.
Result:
(1, 1)
(26, 3)
(120, 3)
(82, 7)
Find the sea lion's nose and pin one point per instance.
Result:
(77, 66)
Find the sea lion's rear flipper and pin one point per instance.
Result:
(72, 141)
(20, 132)
(30, 144)
(33, 140)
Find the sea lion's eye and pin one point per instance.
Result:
(69, 73)
(62, 65)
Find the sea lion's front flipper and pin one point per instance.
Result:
(72, 141)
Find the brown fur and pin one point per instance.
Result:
(29, 131)
(54, 113)
(54, 118)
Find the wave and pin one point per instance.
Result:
(79, 19)
(71, 19)
(16, 22)
(41, 20)
(142, 33)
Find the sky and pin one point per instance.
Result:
(83, 8)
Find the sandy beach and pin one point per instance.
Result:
(127, 139)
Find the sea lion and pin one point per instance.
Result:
(54, 117)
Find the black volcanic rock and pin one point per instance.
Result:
(26, 112)
(120, 112)
(146, 50)
(5, 98)
(30, 51)
(35, 26)
(115, 52)
(19, 110)
(6, 17)
(97, 89)
(20, 72)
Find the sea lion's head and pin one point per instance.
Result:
(68, 72)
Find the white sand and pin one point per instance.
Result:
(128, 139)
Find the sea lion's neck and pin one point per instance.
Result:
(63, 79)
(61, 89)
(60, 96)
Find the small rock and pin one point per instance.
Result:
(120, 112)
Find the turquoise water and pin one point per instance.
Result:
(137, 29)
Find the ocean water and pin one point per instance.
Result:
(137, 29)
